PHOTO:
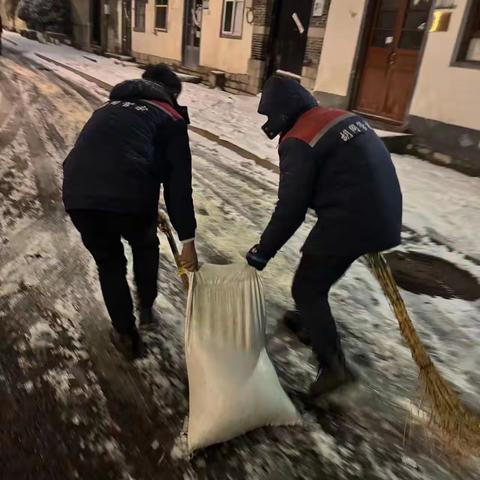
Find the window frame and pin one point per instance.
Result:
(470, 29)
(143, 6)
(232, 35)
(166, 7)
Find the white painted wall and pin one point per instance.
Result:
(340, 45)
(162, 44)
(443, 92)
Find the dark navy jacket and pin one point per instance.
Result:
(129, 147)
(333, 162)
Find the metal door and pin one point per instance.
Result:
(292, 19)
(193, 30)
(126, 27)
(96, 19)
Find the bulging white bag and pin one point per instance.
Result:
(233, 385)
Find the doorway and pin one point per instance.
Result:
(193, 30)
(96, 16)
(392, 58)
(126, 27)
(289, 36)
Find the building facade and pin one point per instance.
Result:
(246, 40)
(409, 64)
(102, 25)
(406, 64)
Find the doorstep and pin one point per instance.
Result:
(396, 142)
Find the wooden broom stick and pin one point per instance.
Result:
(447, 410)
(166, 229)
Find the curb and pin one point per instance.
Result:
(199, 131)
(105, 86)
(395, 144)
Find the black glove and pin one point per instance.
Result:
(256, 259)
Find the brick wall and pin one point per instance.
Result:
(262, 9)
(321, 21)
(316, 34)
(261, 21)
(313, 51)
(259, 46)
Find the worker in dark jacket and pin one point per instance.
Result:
(333, 162)
(129, 147)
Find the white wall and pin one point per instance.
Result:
(340, 45)
(167, 44)
(443, 92)
(221, 53)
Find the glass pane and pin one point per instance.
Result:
(411, 40)
(420, 5)
(161, 2)
(473, 53)
(228, 17)
(386, 20)
(161, 18)
(382, 38)
(237, 28)
(390, 5)
(140, 15)
(416, 21)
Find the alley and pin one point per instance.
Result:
(72, 408)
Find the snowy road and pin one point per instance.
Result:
(72, 408)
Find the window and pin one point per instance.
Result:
(415, 24)
(232, 21)
(470, 45)
(161, 11)
(140, 15)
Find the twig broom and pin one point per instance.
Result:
(447, 410)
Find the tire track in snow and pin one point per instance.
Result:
(314, 451)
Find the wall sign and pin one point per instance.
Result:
(441, 20)
(318, 8)
(298, 23)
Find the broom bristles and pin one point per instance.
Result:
(447, 410)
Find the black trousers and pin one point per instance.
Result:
(311, 286)
(101, 234)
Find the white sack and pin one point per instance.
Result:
(233, 385)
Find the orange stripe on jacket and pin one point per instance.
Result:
(315, 123)
(167, 108)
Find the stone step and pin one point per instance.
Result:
(117, 56)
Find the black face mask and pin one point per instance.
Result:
(275, 126)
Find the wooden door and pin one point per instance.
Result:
(392, 58)
(290, 35)
(193, 30)
(126, 27)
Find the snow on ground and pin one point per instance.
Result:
(439, 202)
(50, 281)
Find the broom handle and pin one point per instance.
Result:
(165, 228)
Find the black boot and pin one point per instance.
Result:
(293, 322)
(148, 317)
(129, 344)
(334, 375)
